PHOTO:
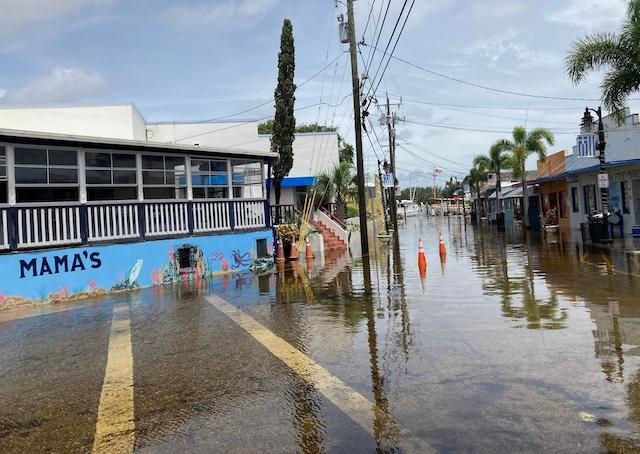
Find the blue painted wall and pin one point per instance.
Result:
(60, 273)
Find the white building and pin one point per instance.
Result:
(622, 155)
(313, 152)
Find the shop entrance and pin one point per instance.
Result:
(635, 185)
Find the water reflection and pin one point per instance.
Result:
(437, 353)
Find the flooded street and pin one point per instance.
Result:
(514, 343)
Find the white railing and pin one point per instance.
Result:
(332, 225)
(48, 226)
(4, 228)
(249, 214)
(112, 222)
(162, 219)
(211, 216)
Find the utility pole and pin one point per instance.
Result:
(391, 124)
(362, 203)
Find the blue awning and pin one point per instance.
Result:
(294, 182)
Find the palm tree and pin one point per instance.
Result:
(477, 175)
(523, 145)
(497, 159)
(616, 52)
(338, 183)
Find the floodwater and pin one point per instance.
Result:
(513, 343)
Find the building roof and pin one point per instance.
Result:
(30, 137)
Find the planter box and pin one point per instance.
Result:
(635, 231)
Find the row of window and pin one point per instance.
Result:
(617, 203)
(52, 175)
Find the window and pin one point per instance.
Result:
(590, 205)
(574, 200)
(209, 178)
(3, 176)
(586, 145)
(110, 176)
(164, 177)
(247, 179)
(625, 194)
(562, 202)
(45, 175)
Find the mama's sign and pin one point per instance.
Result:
(41, 266)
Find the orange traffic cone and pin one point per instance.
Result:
(422, 258)
(443, 248)
(308, 252)
(294, 250)
(280, 256)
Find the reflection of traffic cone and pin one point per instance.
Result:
(294, 250)
(423, 278)
(422, 259)
(280, 257)
(443, 248)
(308, 252)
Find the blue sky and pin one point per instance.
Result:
(205, 59)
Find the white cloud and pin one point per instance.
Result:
(509, 47)
(228, 14)
(62, 84)
(590, 13)
(18, 14)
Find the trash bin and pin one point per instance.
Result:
(598, 228)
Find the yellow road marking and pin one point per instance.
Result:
(115, 426)
(349, 401)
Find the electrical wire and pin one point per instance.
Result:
(256, 107)
(476, 85)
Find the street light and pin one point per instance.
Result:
(603, 181)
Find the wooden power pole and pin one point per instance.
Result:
(362, 203)
(391, 126)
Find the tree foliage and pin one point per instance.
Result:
(523, 145)
(338, 183)
(497, 159)
(284, 123)
(618, 54)
(266, 127)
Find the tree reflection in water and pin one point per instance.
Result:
(515, 282)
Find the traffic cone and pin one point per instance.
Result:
(308, 252)
(443, 248)
(294, 250)
(422, 258)
(280, 256)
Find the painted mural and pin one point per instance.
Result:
(65, 274)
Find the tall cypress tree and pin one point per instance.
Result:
(284, 124)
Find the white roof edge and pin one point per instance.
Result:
(132, 143)
(64, 106)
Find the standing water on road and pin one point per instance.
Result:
(514, 342)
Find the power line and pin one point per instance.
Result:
(372, 54)
(261, 105)
(459, 164)
(476, 85)
(395, 45)
(467, 106)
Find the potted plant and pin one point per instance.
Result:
(287, 233)
(551, 219)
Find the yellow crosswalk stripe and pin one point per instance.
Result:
(349, 401)
(115, 426)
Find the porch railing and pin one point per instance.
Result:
(113, 222)
(39, 227)
(287, 212)
(211, 216)
(31, 226)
